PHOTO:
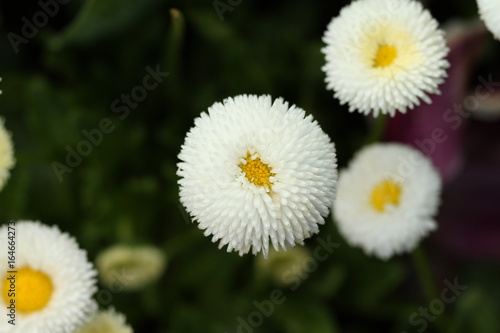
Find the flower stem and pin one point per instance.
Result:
(428, 284)
(378, 129)
(424, 274)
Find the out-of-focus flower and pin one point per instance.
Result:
(384, 56)
(255, 171)
(130, 267)
(489, 11)
(54, 281)
(7, 159)
(278, 264)
(108, 321)
(386, 199)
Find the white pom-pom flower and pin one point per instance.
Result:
(386, 199)
(489, 10)
(48, 279)
(7, 160)
(108, 321)
(384, 56)
(131, 267)
(256, 171)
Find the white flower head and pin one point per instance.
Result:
(386, 199)
(108, 321)
(384, 55)
(256, 171)
(131, 267)
(489, 10)
(7, 159)
(53, 280)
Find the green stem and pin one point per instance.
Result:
(378, 129)
(424, 274)
(172, 60)
(428, 284)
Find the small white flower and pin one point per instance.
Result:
(254, 171)
(54, 282)
(130, 267)
(489, 10)
(108, 321)
(384, 55)
(7, 159)
(386, 199)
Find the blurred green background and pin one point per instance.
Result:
(65, 79)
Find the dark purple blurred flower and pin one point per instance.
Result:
(437, 129)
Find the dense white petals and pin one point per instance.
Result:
(108, 321)
(489, 11)
(353, 40)
(399, 227)
(235, 211)
(47, 249)
(7, 160)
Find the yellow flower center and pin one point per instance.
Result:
(385, 56)
(30, 290)
(257, 173)
(385, 193)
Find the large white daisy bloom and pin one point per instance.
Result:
(7, 160)
(130, 267)
(108, 321)
(386, 199)
(256, 171)
(52, 284)
(489, 10)
(384, 55)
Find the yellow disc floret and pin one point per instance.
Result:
(385, 193)
(385, 56)
(28, 289)
(257, 172)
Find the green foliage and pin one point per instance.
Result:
(65, 80)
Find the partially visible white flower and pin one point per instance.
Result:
(384, 56)
(489, 10)
(279, 264)
(386, 199)
(54, 281)
(130, 267)
(256, 171)
(108, 321)
(7, 159)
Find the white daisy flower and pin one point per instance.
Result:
(384, 55)
(489, 10)
(130, 267)
(254, 171)
(108, 321)
(7, 159)
(53, 281)
(386, 199)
